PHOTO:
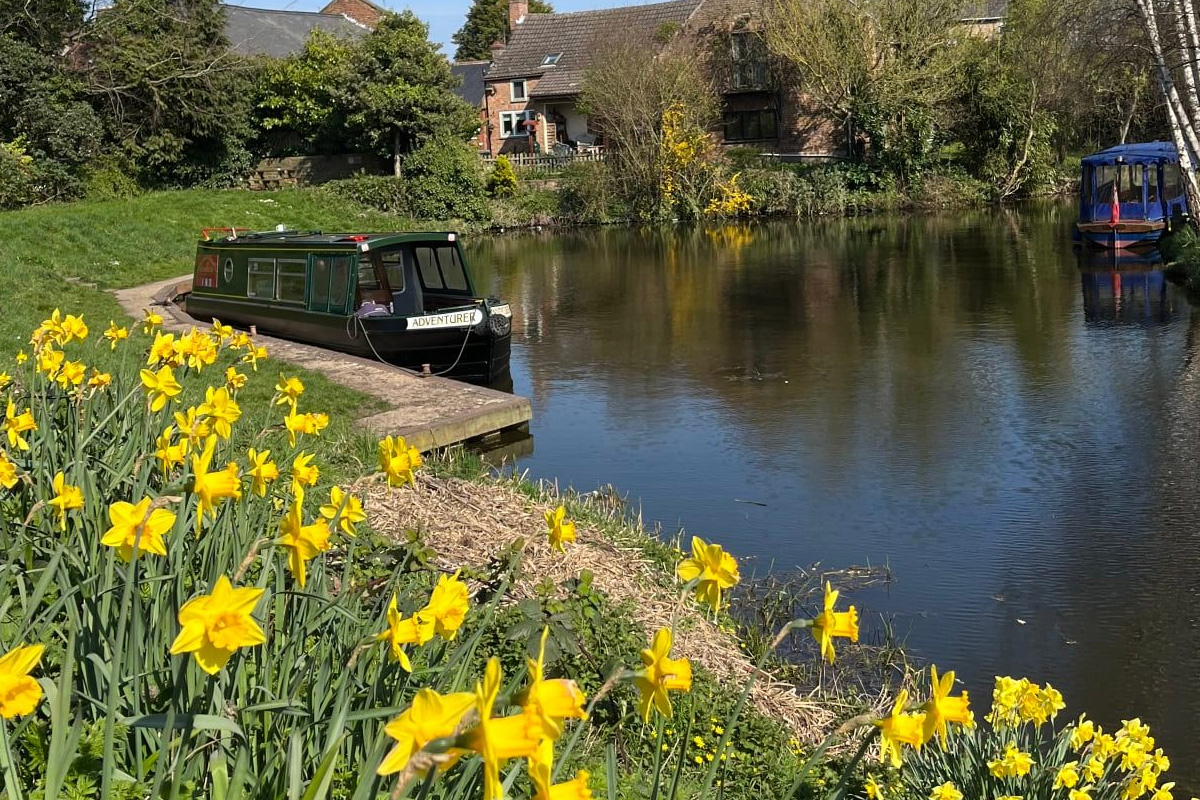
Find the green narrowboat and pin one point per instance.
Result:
(403, 298)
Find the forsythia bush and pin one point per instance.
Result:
(186, 611)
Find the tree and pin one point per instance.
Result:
(309, 94)
(171, 93)
(880, 67)
(487, 22)
(655, 111)
(44, 24)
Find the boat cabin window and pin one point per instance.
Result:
(441, 268)
(1152, 183)
(1130, 183)
(330, 284)
(393, 265)
(260, 281)
(366, 275)
(290, 280)
(1171, 185)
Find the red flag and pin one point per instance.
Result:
(1115, 212)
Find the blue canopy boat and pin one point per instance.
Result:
(1129, 195)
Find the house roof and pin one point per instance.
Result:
(979, 10)
(263, 31)
(472, 73)
(573, 35)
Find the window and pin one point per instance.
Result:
(510, 123)
(1152, 183)
(393, 265)
(366, 276)
(1172, 187)
(291, 280)
(744, 126)
(330, 284)
(517, 90)
(261, 278)
(551, 60)
(749, 61)
(442, 268)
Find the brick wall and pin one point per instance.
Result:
(357, 10)
(500, 101)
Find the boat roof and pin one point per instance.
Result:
(318, 239)
(1135, 153)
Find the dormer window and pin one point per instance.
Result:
(551, 59)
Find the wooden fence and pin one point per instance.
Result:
(528, 165)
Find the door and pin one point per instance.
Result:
(329, 283)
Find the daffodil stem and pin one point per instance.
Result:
(114, 682)
(11, 784)
(840, 790)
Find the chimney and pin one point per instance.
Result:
(497, 48)
(517, 10)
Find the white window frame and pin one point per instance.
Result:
(513, 118)
(551, 59)
(512, 91)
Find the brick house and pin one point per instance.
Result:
(277, 33)
(535, 77)
(471, 91)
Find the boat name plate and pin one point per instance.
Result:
(451, 319)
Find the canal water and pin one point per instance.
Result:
(1014, 432)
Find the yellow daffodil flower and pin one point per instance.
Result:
(1093, 768)
(1082, 733)
(942, 708)
(713, 568)
(431, 716)
(16, 424)
(19, 693)
(50, 361)
(1081, 794)
(304, 472)
(253, 356)
(221, 410)
(873, 790)
(73, 329)
(21, 357)
(498, 739)
(262, 471)
(1164, 792)
(398, 461)
(99, 380)
(303, 542)
(1067, 776)
(5, 379)
(234, 380)
(560, 528)
(208, 486)
(150, 321)
(1013, 764)
(217, 625)
(160, 387)
(8, 471)
(66, 498)
(222, 332)
(899, 728)
(137, 523)
(115, 335)
(552, 700)
(288, 390)
(947, 791)
(294, 423)
(162, 351)
(448, 605)
(417, 629)
(50, 330)
(574, 789)
(660, 675)
(344, 510)
(193, 428)
(196, 349)
(71, 374)
(1104, 746)
(830, 624)
(169, 455)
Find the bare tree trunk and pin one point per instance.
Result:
(1128, 121)
(396, 154)
(1189, 65)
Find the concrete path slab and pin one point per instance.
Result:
(428, 412)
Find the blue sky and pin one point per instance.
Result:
(444, 17)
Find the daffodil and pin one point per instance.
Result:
(115, 334)
(50, 330)
(50, 361)
(168, 454)
(304, 472)
(873, 790)
(288, 390)
(16, 424)
(8, 471)
(99, 380)
(222, 332)
(262, 471)
(217, 625)
(830, 624)
(66, 498)
(5, 379)
(899, 728)
(71, 374)
(1082, 733)
(431, 716)
(947, 791)
(1067, 776)
(417, 629)
(498, 739)
(162, 351)
(210, 487)
(234, 380)
(253, 356)
(195, 349)
(19, 693)
(1164, 792)
(661, 674)
(221, 410)
(193, 428)
(941, 707)
(574, 789)
(73, 329)
(150, 321)
(137, 524)
(560, 529)
(21, 357)
(398, 461)
(1014, 763)
(344, 510)
(160, 387)
(712, 568)
(1081, 794)
(303, 542)
(448, 605)
(552, 700)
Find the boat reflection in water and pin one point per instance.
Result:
(1125, 287)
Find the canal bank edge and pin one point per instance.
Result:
(429, 412)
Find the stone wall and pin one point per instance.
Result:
(274, 173)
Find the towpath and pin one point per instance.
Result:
(428, 412)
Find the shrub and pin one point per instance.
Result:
(502, 180)
(774, 191)
(585, 193)
(111, 177)
(443, 179)
(381, 192)
(16, 176)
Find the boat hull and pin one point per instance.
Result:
(459, 353)
(1121, 235)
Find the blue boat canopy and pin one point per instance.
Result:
(1138, 153)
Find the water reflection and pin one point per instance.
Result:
(926, 392)
(1125, 287)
